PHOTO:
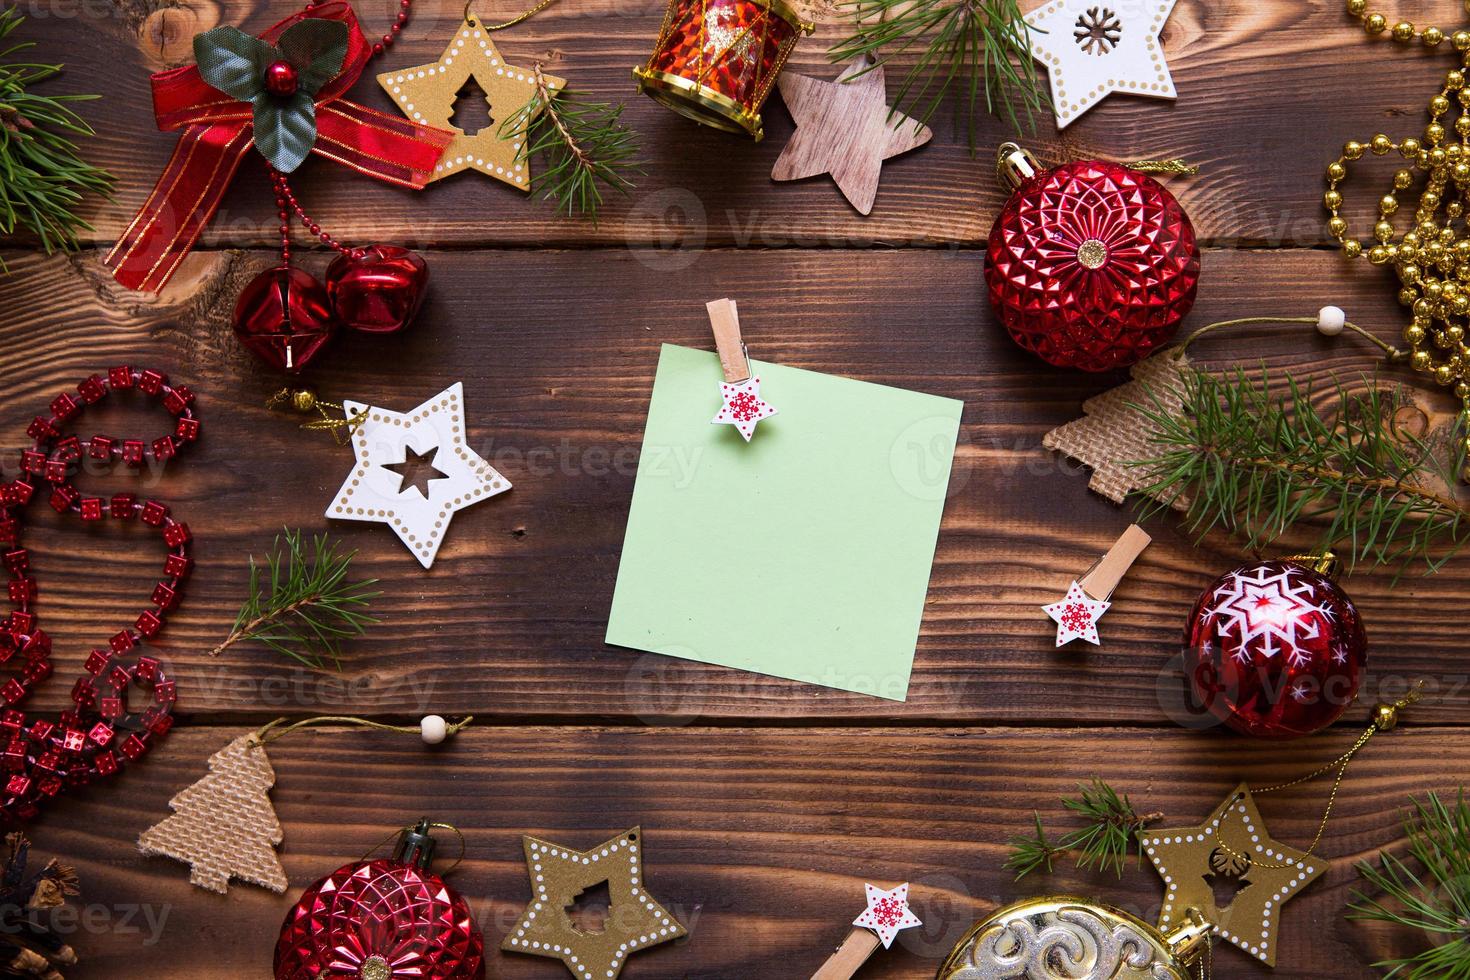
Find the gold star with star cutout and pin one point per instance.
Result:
(1231, 845)
(559, 875)
(426, 94)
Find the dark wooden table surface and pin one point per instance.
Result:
(766, 803)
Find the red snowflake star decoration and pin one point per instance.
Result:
(1076, 616)
(887, 913)
(743, 406)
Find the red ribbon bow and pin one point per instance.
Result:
(217, 133)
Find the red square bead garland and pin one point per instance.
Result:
(40, 759)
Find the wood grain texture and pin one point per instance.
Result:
(758, 840)
(557, 354)
(767, 803)
(1262, 108)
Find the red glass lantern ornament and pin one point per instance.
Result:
(1275, 648)
(285, 317)
(377, 288)
(1090, 265)
(715, 61)
(386, 919)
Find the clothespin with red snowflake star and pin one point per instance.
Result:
(1077, 613)
(887, 913)
(740, 391)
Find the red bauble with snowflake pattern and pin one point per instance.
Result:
(1090, 265)
(387, 919)
(1275, 649)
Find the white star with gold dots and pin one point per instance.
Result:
(375, 490)
(1093, 48)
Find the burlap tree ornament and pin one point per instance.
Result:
(224, 826)
(1114, 432)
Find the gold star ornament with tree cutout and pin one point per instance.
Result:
(559, 876)
(427, 93)
(1230, 850)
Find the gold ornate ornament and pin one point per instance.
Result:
(1432, 255)
(1062, 938)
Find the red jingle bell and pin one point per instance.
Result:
(382, 920)
(1090, 265)
(377, 288)
(284, 317)
(1275, 649)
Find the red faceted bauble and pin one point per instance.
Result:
(1274, 649)
(378, 288)
(1092, 265)
(389, 919)
(285, 317)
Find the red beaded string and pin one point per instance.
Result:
(285, 200)
(98, 735)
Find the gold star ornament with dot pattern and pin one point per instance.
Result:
(559, 876)
(427, 93)
(1230, 850)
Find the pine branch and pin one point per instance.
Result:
(1110, 830)
(1435, 900)
(1032, 851)
(977, 47)
(1112, 824)
(306, 607)
(42, 178)
(584, 145)
(1258, 465)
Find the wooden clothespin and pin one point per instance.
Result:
(887, 913)
(725, 320)
(740, 392)
(1076, 615)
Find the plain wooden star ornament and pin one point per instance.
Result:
(845, 128)
(427, 93)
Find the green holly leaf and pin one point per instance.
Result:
(316, 48)
(233, 62)
(285, 129)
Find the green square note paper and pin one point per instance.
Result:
(802, 554)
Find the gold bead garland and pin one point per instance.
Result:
(1432, 258)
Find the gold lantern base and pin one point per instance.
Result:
(699, 102)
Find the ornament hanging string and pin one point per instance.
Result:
(469, 16)
(279, 729)
(304, 400)
(1390, 352)
(1385, 718)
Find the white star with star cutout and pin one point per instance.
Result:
(1076, 616)
(375, 492)
(1093, 48)
(887, 912)
(743, 406)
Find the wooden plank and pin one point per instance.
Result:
(1258, 110)
(759, 841)
(557, 352)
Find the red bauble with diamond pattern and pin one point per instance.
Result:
(388, 919)
(1092, 265)
(1274, 649)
